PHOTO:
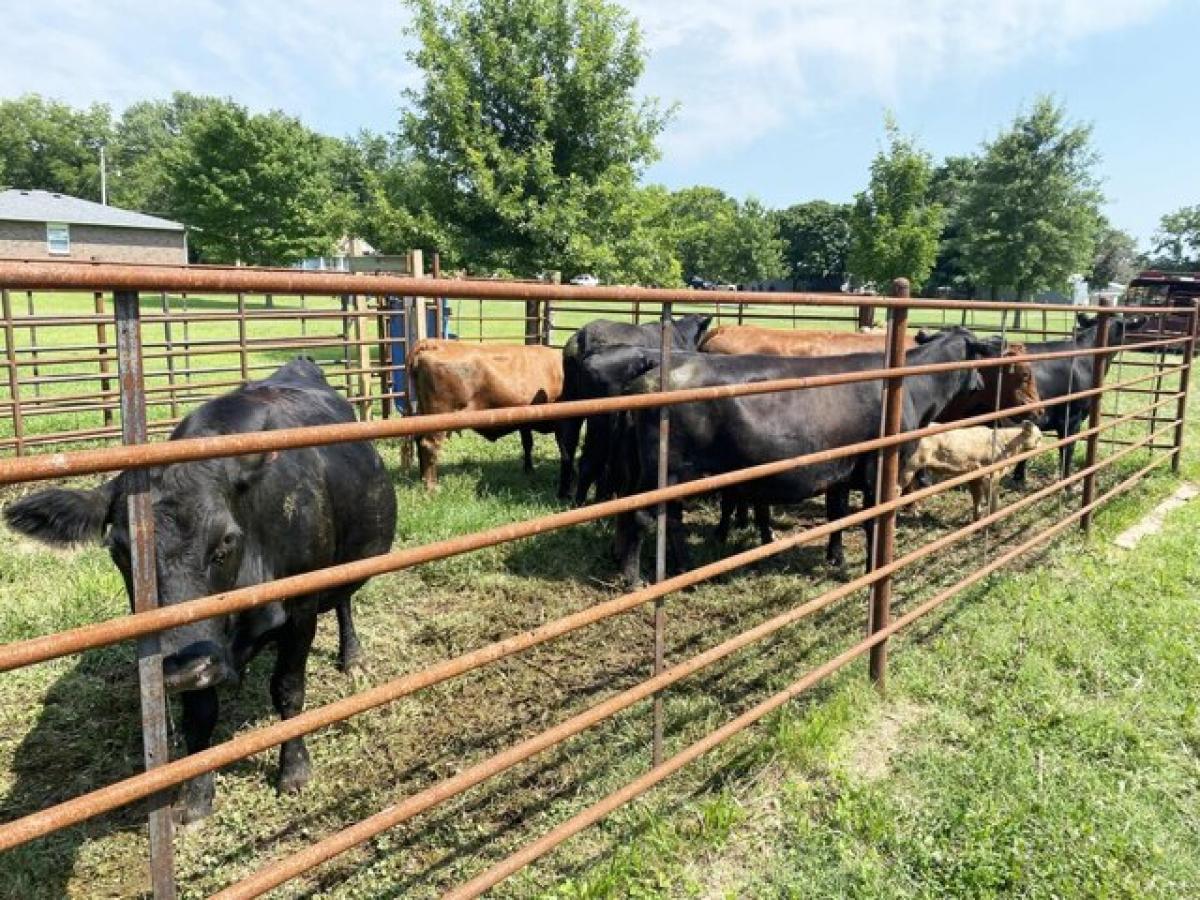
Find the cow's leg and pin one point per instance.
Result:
(837, 506)
(527, 449)
(1018, 474)
(594, 458)
(428, 446)
(762, 518)
(629, 548)
(743, 514)
(976, 488)
(199, 719)
(680, 559)
(349, 649)
(727, 507)
(566, 435)
(287, 692)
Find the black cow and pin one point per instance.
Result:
(228, 523)
(581, 384)
(1059, 377)
(713, 437)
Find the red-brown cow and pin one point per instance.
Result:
(452, 376)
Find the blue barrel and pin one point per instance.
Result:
(401, 339)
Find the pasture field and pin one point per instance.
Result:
(1039, 735)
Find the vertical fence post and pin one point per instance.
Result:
(866, 317)
(1099, 369)
(660, 542)
(166, 311)
(33, 342)
(383, 317)
(887, 472)
(243, 360)
(145, 588)
(439, 322)
(102, 347)
(1185, 381)
(187, 344)
(14, 378)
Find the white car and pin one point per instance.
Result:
(585, 280)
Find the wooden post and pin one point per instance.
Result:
(1099, 369)
(887, 473)
(359, 306)
(243, 359)
(166, 310)
(102, 346)
(143, 581)
(14, 378)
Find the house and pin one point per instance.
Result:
(43, 225)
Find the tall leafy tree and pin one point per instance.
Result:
(948, 188)
(816, 244)
(1114, 258)
(527, 131)
(719, 239)
(255, 189)
(1031, 213)
(894, 225)
(143, 139)
(1176, 244)
(48, 145)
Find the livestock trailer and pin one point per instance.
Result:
(1176, 292)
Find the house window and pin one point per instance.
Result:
(58, 238)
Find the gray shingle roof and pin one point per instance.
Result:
(43, 206)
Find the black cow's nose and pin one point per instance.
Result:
(195, 667)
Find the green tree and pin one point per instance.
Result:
(255, 189)
(1176, 244)
(1114, 258)
(48, 145)
(143, 139)
(894, 226)
(1030, 215)
(948, 188)
(719, 239)
(527, 134)
(816, 242)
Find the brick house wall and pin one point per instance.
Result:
(99, 243)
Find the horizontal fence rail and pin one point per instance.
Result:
(367, 374)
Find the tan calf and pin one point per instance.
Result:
(967, 449)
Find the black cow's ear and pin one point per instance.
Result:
(705, 321)
(924, 337)
(62, 517)
(248, 469)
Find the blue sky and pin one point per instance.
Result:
(781, 99)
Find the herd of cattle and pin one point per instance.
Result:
(227, 523)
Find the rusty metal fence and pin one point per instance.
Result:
(1152, 423)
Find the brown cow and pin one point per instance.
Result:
(452, 376)
(778, 342)
(1017, 386)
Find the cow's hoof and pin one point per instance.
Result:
(195, 803)
(351, 662)
(293, 779)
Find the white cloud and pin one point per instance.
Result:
(741, 68)
(305, 56)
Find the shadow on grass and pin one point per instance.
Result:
(88, 734)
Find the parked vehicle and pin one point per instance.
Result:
(585, 280)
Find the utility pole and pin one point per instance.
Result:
(103, 179)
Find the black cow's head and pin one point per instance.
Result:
(691, 328)
(199, 548)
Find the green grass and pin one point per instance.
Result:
(1071, 657)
